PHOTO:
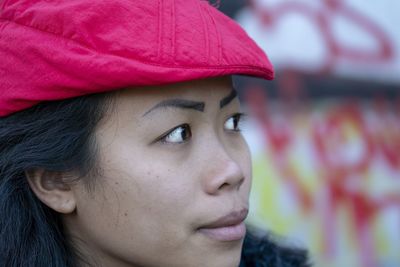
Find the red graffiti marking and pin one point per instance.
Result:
(322, 18)
(279, 136)
(329, 142)
(330, 139)
(333, 135)
(387, 141)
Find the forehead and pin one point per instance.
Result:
(212, 89)
(137, 101)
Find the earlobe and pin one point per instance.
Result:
(52, 190)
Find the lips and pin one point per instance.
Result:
(230, 227)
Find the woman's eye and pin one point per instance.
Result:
(177, 135)
(234, 123)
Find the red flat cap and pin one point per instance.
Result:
(52, 50)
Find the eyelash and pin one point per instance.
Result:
(185, 129)
(238, 121)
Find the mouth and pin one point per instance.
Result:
(227, 228)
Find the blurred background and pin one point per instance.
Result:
(325, 134)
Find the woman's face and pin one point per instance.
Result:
(174, 183)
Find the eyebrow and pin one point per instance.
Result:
(178, 103)
(228, 99)
(189, 104)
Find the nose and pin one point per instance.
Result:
(225, 174)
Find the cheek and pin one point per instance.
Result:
(146, 197)
(154, 192)
(146, 180)
(240, 153)
(246, 166)
(246, 161)
(137, 208)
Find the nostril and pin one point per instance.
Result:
(232, 185)
(223, 186)
(240, 182)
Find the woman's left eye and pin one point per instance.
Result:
(178, 135)
(234, 123)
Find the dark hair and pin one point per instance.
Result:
(55, 136)
(262, 249)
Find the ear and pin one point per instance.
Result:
(52, 190)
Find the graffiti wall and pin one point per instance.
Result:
(327, 154)
(328, 175)
(352, 38)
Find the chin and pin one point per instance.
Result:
(228, 258)
(223, 262)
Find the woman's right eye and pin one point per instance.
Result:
(178, 135)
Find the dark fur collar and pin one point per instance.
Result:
(264, 251)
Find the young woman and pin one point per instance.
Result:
(120, 139)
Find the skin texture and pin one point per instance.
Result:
(154, 194)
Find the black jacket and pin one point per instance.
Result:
(265, 252)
